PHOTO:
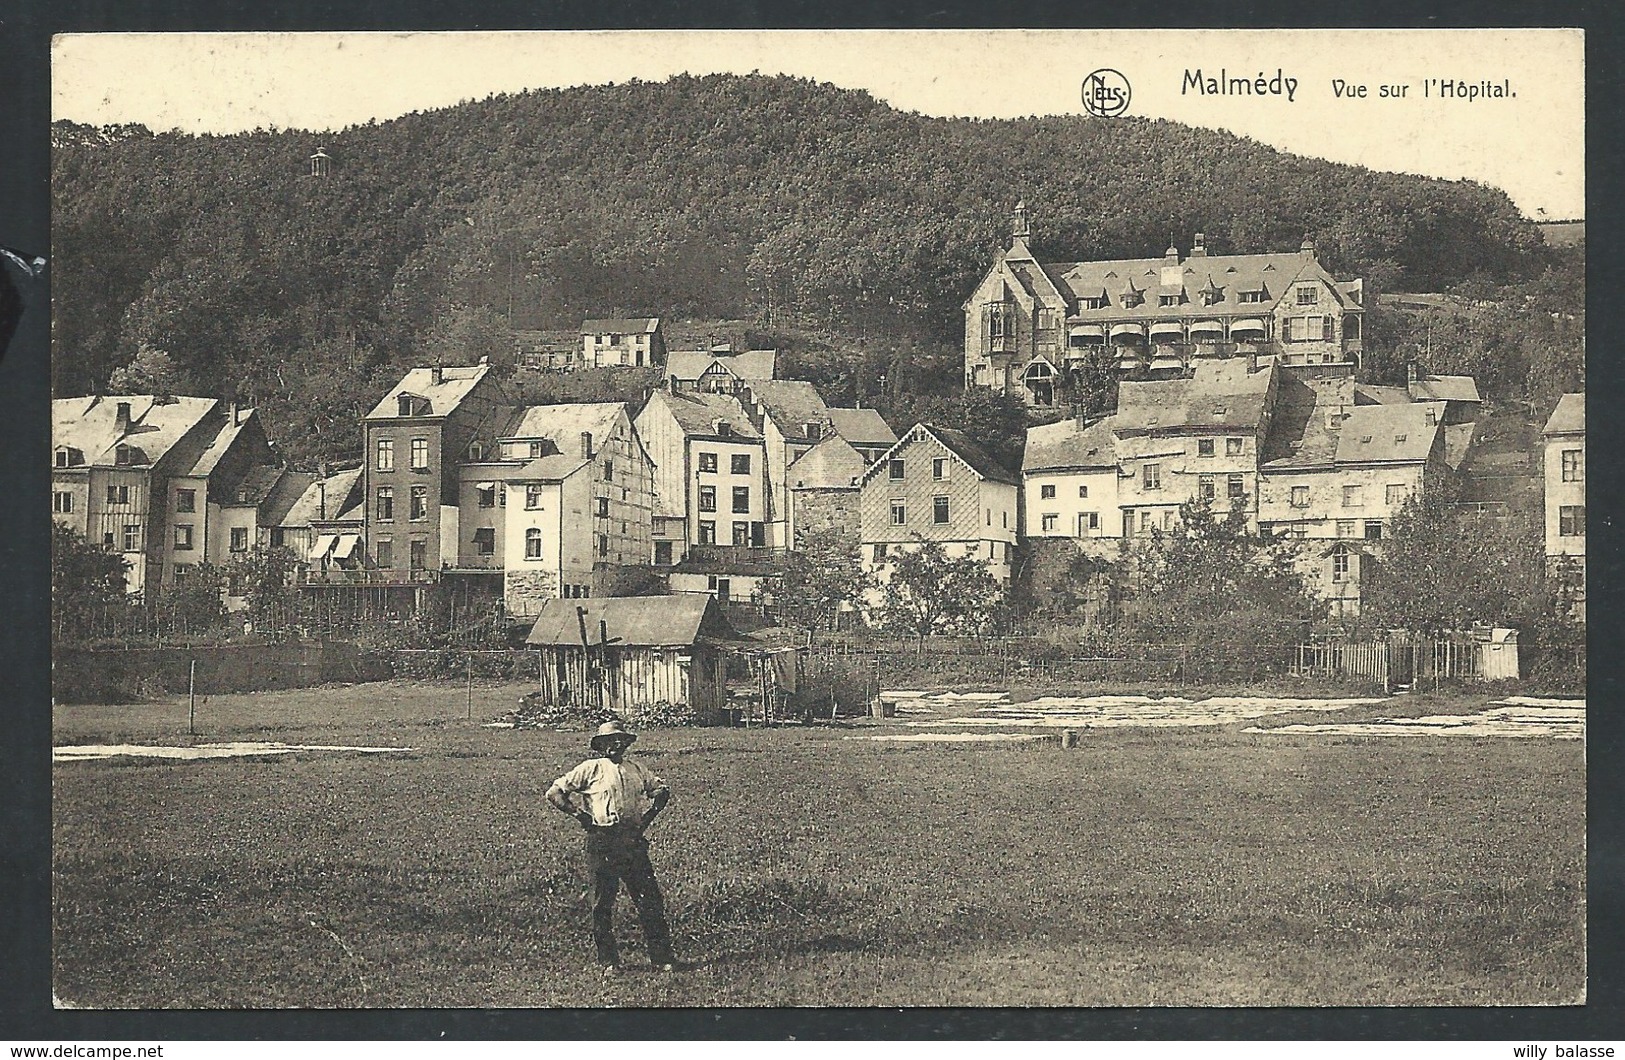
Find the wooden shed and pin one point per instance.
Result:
(633, 652)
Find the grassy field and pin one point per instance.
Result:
(1149, 867)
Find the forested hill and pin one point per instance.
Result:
(229, 265)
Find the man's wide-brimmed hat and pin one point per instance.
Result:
(611, 732)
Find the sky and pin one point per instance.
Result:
(1528, 141)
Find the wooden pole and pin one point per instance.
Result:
(191, 699)
(468, 659)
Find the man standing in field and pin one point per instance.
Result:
(612, 790)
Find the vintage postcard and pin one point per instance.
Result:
(819, 518)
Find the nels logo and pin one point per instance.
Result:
(1106, 93)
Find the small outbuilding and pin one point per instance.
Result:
(631, 653)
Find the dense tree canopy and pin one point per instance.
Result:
(753, 198)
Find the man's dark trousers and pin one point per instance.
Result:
(615, 855)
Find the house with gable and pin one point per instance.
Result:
(1564, 472)
(416, 438)
(710, 477)
(1029, 323)
(939, 484)
(153, 477)
(1069, 479)
(719, 370)
(633, 342)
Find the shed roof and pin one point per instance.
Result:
(443, 397)
(290, 486)
(1569, 417)
(325, 499)
(678, 620)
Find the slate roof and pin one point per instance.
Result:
(88, 424)
(697, 412)
(678, 620)
(1569, 417)
(290, 486)
(862, 427)
(1372, 394)
(563, 424)
(443, 397)
(1227, 274)
(831, 464)
(1069, 446)
(1445, 388)
(1301, 432)
(1389, 433)
(689, 365)
(1222, 396)
(219, 444)
(791, 404)
(1458, 443)
(956, 442)
(342, 491)
(258, 482)
(554, 468)
(620, 326)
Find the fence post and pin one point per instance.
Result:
(191, 698)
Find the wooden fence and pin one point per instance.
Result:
(1402, 661)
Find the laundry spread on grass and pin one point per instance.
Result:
(956, 737)
(1110, 711)
(92, 752)
(1517, 717)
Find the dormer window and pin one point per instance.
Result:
(1132, 298)
(724, 429)
(815, 431)
(242, 495)
(123, 456)
(1251, 297)
(1093, 303)
(476, 451)
(403, 405)
(68, 456)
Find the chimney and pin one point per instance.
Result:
(235, 418)
(437, 375)
(1198, 250)
(1410, 374)
(586, 445)
(121, 420)
(321, 498)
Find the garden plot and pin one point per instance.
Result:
(94, 752)
(1517, 717)
(1089, 712)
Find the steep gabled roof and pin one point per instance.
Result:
(89, 424)
(1569, 417)
(689, 365)
(1223, 395)
(256, 485)
(831, 464)
(219, 445)
(564, 424)
(1228, 274)
(956, 442)
(1069, 446)
(442, 397)
(290, 486)
(325, 499)
(1307, 420)
(697, 413)
(674, 621)
(791, 404)
(1445, 388)
(862, 427)
(620, 326)
(1389, 434)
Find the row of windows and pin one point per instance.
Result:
(1086, 521)
(939, 511)
(184, 540)
(1047, 491)
(386, 454)
(708, 499)
(738, 463)
(753, 534)
(384, 552)
(384, 509)
(1394, 494)
(897, 470)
